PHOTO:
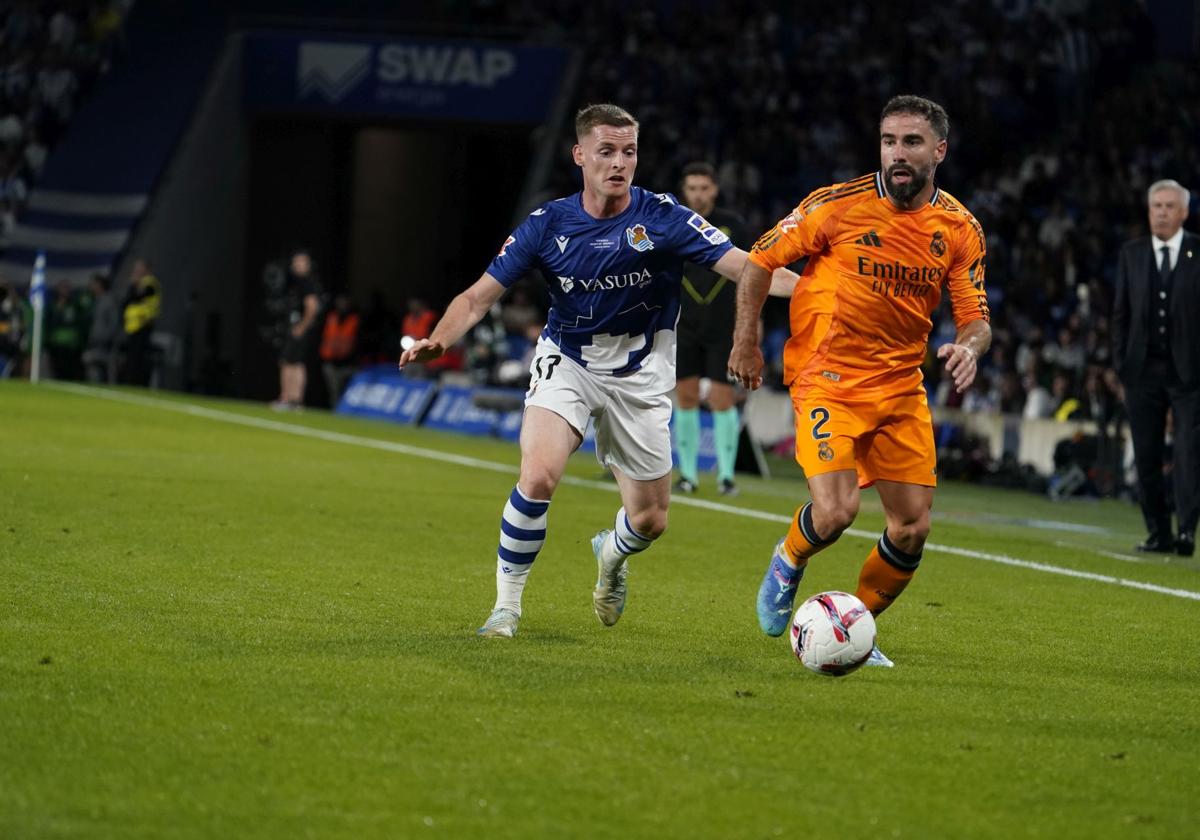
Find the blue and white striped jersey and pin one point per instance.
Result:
(614, 283)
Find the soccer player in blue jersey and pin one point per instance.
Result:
(613, 256)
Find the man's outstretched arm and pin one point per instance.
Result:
(464, 312)
(735, 260)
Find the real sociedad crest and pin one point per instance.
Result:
(638, 239)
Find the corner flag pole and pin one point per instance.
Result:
(37, 297)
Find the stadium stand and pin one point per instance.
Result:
(96, 182)
(1043, 150)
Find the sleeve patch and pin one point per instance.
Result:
(714, 235)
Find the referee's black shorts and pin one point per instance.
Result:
(702, 350)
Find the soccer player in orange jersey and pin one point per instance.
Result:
(881, 249)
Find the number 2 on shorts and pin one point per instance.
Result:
(821, 415)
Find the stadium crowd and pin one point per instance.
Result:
(1045, 148)
(51, 54)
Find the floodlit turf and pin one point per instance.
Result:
(218, 630)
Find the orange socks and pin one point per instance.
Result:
(802, 541)
(885, 574)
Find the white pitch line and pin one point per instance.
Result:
(479, 463)
(1116, 555)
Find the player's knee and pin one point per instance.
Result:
(910, 535)
(537, 482)
(650, 524)
(833, 517)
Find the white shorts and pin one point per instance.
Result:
(632, 422)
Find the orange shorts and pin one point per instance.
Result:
(891, 439)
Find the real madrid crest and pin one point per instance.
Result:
(825, 451)
(937, 245)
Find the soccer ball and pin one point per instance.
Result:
(833, 633)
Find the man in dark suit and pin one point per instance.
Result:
(1157, 355)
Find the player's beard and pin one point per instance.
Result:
(903, 193)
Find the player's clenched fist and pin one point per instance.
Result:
(423, 350)
(746, 364)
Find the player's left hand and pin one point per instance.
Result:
(960, 363)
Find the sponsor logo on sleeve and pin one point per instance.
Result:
(504, 247)
(714, 235)
(791, 221)
(638, 239)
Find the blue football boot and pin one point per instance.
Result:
(777, 593)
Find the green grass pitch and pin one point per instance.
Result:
(220, 622)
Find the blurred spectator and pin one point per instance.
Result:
(1052, 233)
(66, 323)
(13, 321)
(1066, 405)
(35, 152)
(1039, 403)
(56, 87)
(339, 340)
(105, 21)
(1065, 355)
(419, 319)
(487, 348)
(1012, 397)
(302, 291)
(513, 372)
(983, 397)
(100, 356)
(11, 129)
(519, 311)
(143, 302)
(8, 221)
(61, 30)
(12, 186)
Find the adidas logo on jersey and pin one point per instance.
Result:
(871, 240)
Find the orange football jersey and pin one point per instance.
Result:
(861, 310)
